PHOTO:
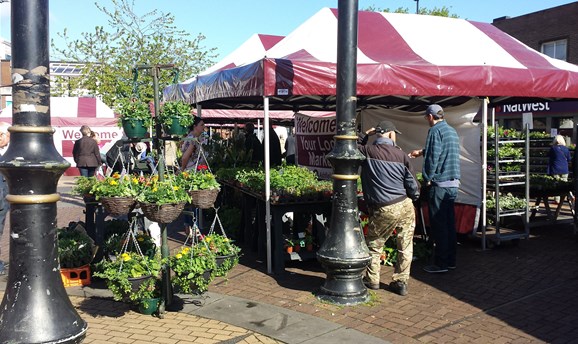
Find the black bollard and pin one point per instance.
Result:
(35, 307)
(344, 254)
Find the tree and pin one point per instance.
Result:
(109, 57)
(440, 12)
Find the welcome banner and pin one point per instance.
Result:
(313, 140)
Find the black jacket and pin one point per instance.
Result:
(386, 174)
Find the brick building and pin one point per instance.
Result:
(553, 32)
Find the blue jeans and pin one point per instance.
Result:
(87, 171)
(443, 225)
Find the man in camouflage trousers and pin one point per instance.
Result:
(389, 189)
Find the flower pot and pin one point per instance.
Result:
(134, 128)
(136, 282)
(297, 248)
(176, 129)
(225, 264)
(204, 199)
(289, 249)
(149, 306)
(309, 247)
(117, 206)
(195, 288)
(163, 213)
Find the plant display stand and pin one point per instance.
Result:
(508, 172)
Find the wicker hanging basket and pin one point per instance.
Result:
(162, 213)
(204, 199)
(117, 206)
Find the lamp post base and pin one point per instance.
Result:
(344, 284)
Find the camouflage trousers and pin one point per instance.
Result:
(382, 222)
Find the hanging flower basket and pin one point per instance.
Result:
(162, 213)
(134, 128)
(136, 282)
(204, 199)
(175, 128)
(117, 206)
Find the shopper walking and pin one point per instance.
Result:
(389, 189)
(86, 153)
(441, 173)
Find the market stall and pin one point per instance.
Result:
(405, 62)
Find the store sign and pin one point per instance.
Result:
(313, 140)
(546, 107)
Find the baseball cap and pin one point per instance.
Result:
(387, 126)
(433, 110)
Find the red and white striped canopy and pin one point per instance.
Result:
(400, 57)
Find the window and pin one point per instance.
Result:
(555, 49)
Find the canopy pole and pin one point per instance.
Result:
(484, 166)
(267, 183)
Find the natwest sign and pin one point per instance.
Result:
(546, 107)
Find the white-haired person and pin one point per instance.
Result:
(4, 205)
(558, 160)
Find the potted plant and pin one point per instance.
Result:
(226, 253)
(202, 186)
(82, 187)
(309, 242)
(134, 117)
(130, 276)
(175, 117)
(76, 251)
(116, 193)
(162, 201)
(75, 247)
(193, 268)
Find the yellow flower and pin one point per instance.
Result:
(155, 189)
(140, 239)
(179, 256)
(113, 182)
(175, 188)
(186, 250)
(125, 257)
(208, 239)
(135, 181)
(226, 239)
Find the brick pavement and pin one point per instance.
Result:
(511, 294)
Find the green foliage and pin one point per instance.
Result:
(507, 133)
(193, 268)
(220, 245)
(116, 186)
(110, 53)
(507, 202)
(168, 191)
(175, 109)
(75, 247)
(133, 110)
(200, 180)
(539, 135)
(83, 185)
(130, 265)
(440, 12)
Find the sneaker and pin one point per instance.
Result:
(398, 287)
(369, 285)
(434, 269)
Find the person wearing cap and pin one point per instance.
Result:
(389, 189)
(441, 173)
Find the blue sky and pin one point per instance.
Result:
(228, 23)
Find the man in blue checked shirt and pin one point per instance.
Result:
(441, 174)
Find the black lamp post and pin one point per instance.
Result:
(344, 254)
(35, 308)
